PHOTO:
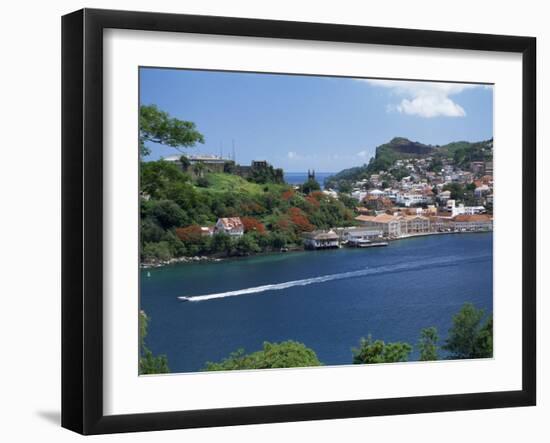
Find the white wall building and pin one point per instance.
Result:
(232, 226)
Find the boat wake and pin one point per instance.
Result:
(400, 267)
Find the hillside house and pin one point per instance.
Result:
(232, 226)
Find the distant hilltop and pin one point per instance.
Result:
(461, 153)
(403, 146)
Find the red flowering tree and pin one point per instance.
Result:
(253, 225)
(317, 195)
(300, 220)
(287, 195)
(313, 201)
(282, 225)
(191, 233)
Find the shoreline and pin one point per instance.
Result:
(426, 234)
(211, 259)
(176, 260)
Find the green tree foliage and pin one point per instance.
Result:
(483, 347)
(469, 337)
(376, 351)
(247, 245)
(171, 200)
(457, 190)
(203, 182)
(310, 186)
(185, 163)
(158, 176)
(157, 251)
(158, 126)
(222, 243)
(427, 344)
(266, 174)
(436, 165)
(167, 213)
(148, 363)
(288, 354)
(344, 187)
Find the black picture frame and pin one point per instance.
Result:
(82, 218)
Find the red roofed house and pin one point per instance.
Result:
(232, 226)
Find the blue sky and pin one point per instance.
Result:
(306, 122)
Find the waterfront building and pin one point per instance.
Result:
(441, 224)
(396, 225)
(321, 239)
(479, 222)
(232, 226)
(417, 224)
(390, 225)
(358, 235)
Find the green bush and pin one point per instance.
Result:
(469, 337)
(159, 251)
(376, 351)
(288, 354)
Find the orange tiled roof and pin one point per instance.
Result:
(232, 223)
(475, 217)
(382, 218)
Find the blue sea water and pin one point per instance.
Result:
(326, 299)
(298, 178)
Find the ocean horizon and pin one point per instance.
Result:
(297, 178)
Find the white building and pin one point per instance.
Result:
(331, 193)
(232, 226)
(359, 195)
(463, 210)
(361, 235)
(408, 199)
(321, 239)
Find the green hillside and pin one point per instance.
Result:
(221, 182)
(461, 152)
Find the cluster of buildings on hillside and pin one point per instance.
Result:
(416, 204)
(425, 184)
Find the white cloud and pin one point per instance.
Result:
(363, 154)
(425, 99)
(292, 155)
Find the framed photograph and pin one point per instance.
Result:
(268, 221)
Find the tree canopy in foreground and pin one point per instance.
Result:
(287, 354)
(470, 337)
(158, 126)
(148, 363)
(376, 351)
